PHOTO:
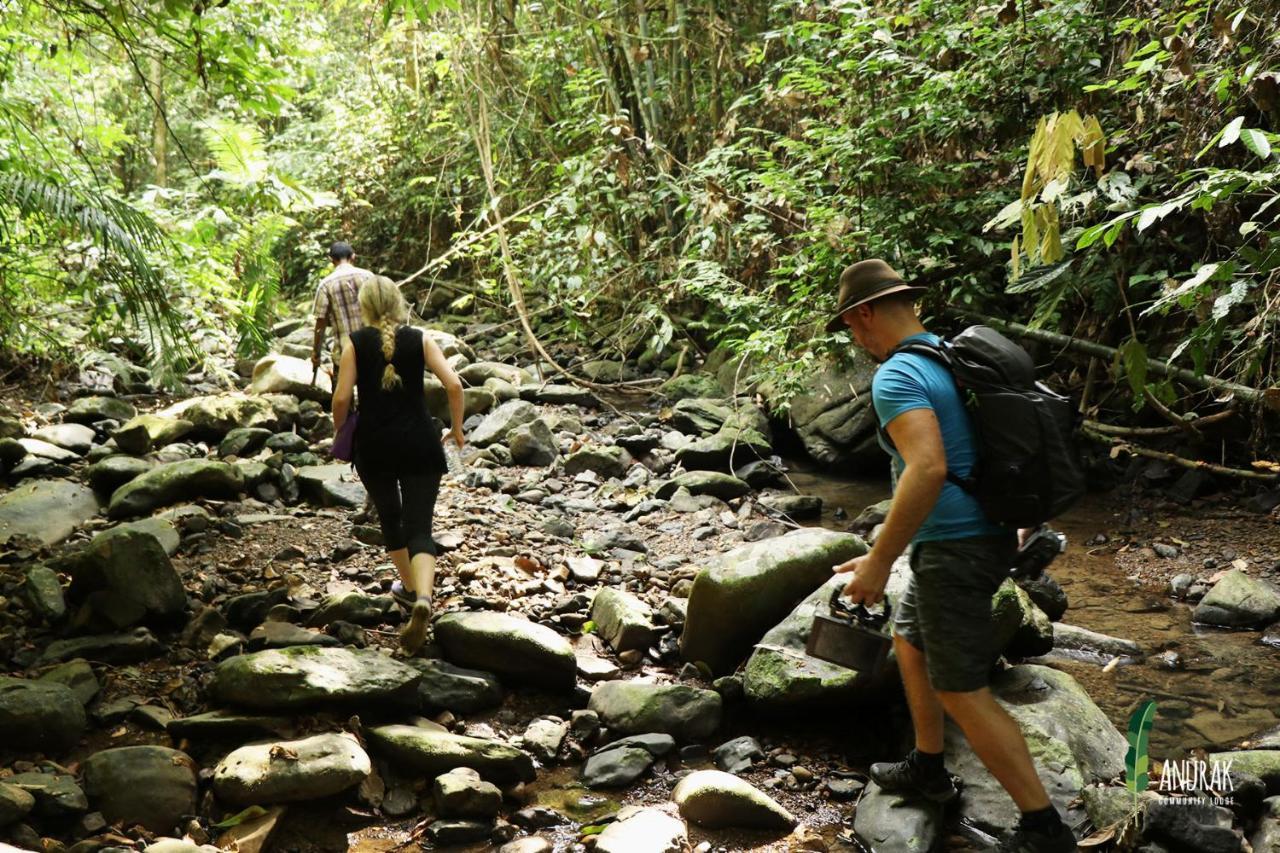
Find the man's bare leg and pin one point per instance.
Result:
(926, 710)
(999, 743)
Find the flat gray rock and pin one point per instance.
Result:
(314, 677)
(76, 438)
(291, 771)
(429, 753)
(176, 482)
(632, 707)
(513, 648)
(46, 511)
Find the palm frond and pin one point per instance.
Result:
(113, 225)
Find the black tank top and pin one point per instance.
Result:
(396, 431)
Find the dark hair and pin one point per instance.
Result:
(341, 251)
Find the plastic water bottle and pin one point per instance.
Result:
(452, 458)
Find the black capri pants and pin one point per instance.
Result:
(406, 505)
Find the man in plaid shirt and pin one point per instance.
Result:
(337, 301)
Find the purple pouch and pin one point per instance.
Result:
(344, 443)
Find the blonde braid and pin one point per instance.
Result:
(387, 328)
(383, 307)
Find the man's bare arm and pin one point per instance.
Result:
(317, 340)
(919, 441)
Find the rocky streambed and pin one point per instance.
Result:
(202, 651)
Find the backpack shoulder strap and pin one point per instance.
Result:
(940, 354)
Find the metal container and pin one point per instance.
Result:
(851, 636)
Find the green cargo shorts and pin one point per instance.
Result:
(946, 609)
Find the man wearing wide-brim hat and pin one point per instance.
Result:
(942, 624)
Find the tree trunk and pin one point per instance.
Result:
(159, 130)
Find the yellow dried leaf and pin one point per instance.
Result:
(1016, 257)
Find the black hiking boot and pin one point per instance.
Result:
(1036, 841)
(909, 779)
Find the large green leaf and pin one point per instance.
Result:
(1136, 759)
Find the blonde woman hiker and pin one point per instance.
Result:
(398, 444)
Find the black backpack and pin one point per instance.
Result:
(1028, 470)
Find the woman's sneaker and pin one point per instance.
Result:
(403, 596)
(415, 633)
(906, 777)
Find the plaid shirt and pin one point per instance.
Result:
(337, 300)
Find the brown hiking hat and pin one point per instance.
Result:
(865, 281)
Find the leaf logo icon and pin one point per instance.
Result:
(1136, 760)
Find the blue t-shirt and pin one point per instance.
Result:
(910, 381)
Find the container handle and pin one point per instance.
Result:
(858, 611)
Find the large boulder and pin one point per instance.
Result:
(516, 649)
(57, 795)
(698, 416)
(153, 786)
(431, 752)
(291, 771)
(214, 416)
(107, 475)
(15, 804)
(606, 461)
(46, 511)
(622, 620)
(499, 423)
(1239, 601)
(834, 418)
(746, 591)
(39, 716)
(304, 677)
(76, 438)
(125, 577)
(475, 401)
(283, 374)
(176, 482)
(779, 675)
(331, 485)
(132, 647)
(725, 450)
(1071, 741)
(143, 432)
(1263, 763)
(90, 410)
(633, 707)
(244, 441)
(887, 821)
(533, 444)
(461, 793)
(718, 800)
(690, 385)
(718, 484)
(1020, 629)
(43, 590)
